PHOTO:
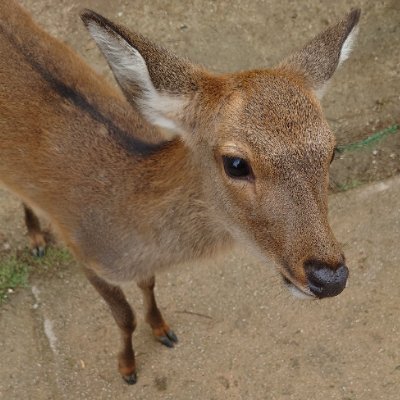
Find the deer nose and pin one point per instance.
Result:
(324, 281)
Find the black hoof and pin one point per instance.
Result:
(169, 339)
(171, 335)
(39, 251)
(130, 379)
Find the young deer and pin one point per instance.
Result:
(248, 163)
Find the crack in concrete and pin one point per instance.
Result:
(49, 340)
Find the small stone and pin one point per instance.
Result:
(6, 246)
(375, 152)
(120, 14)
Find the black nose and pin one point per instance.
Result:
(325, 281)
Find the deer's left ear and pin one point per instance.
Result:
(159, 83)
(320, 58)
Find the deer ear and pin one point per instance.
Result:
(320, 58)
(159, 83)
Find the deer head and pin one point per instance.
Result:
(258, 139)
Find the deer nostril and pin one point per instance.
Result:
(324, 281)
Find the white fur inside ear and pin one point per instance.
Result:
(348, 46)
(128, 65)
(345, 51)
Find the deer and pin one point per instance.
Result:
(180, 164)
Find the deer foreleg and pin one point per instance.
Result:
(125, 319)
(161, 330)
(36, 236)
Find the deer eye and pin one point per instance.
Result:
(236, 167)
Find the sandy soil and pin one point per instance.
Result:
(242, 336)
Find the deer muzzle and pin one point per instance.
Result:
(325, 281)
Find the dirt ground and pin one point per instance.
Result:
(242, 336)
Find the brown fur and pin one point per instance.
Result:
(127, 201)
(36, 236)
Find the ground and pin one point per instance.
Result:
(242, 336)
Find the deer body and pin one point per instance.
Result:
(249, 164)
(74, 166)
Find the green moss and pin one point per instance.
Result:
(54, 256)
(370, 140)
(15, 269)
(342, 187)
(13, 274)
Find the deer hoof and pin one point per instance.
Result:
(130, 379)
(169, 339)
(38, 251)
(171, 335)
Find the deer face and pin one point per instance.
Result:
(261, 137)
(272, 150)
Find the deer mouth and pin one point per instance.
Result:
(297, 290)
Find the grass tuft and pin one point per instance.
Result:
(13, 274)
(55, 256)
(15, 269)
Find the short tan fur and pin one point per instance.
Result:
(245, 159)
